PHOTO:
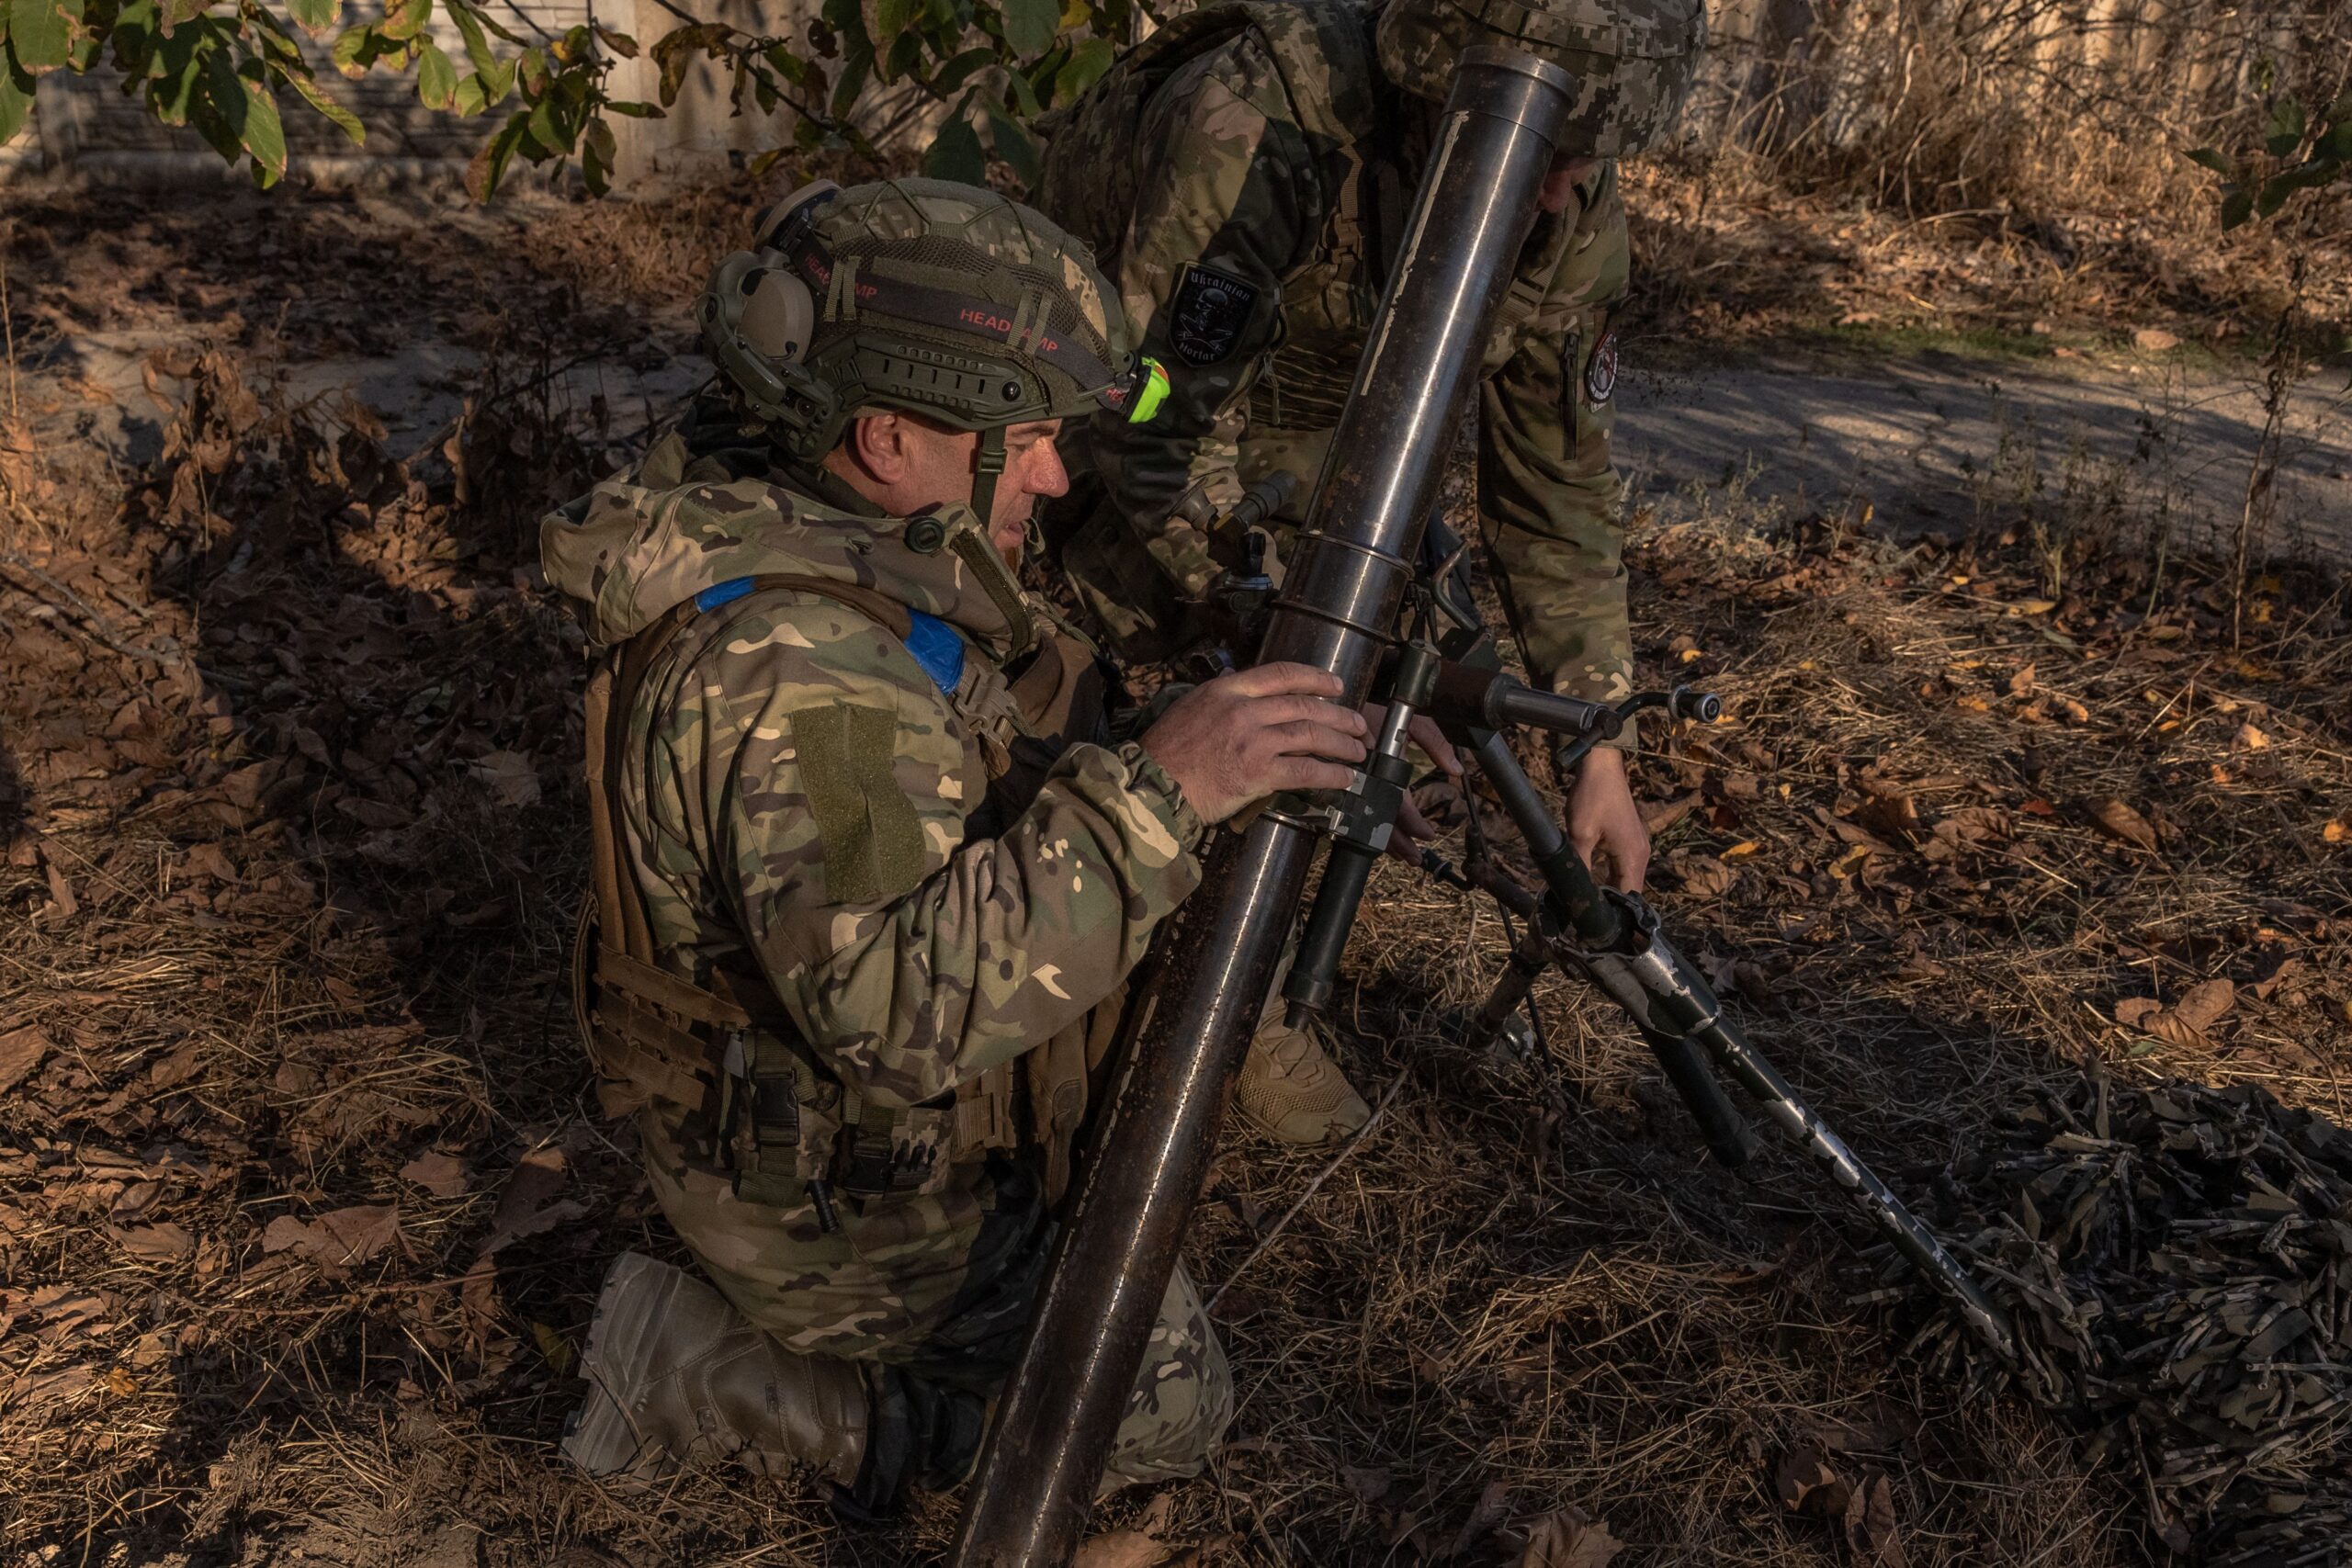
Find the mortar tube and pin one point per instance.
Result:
(1035, 1483)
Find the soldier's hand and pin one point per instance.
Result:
(1413, 830)
(1602, 816)
(1254, 733)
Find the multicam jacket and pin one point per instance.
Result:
(1245, 176)
(869, 914)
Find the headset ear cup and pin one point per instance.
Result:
(778, 314)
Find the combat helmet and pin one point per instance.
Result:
(1632, 60)
(941, 300)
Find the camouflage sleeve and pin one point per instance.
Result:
(1548, 498)
(810, 763)
(1224, 200)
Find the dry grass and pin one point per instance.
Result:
(2007, 166)
(294, 746)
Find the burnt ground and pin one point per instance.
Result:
(305, 1200)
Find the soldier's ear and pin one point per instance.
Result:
(878, 441)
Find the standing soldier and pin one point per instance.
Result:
(1246, 174)
(869, 873)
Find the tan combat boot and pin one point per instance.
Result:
(1290, 1087)
(678, 1376)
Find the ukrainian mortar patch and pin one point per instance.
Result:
(1210, 309)
(1601, 370)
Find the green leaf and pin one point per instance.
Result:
(892, 17)
(906, 58)
(959, 70)
(1015, 146)
(2283, 131)
(405, 19)
(314, 16)
(477, 53)
(2337, 143)
(437, 79)
(469, 99)
(1030, 26)
(219, 105)
(16, 99)
(1024, 96)
(176, 88)
(956, 155)
(490, 161)
(800, 73)
(487, 21)
(857, 63)
(264, 136)
(2213, 159)
(1087, 63)
(636, 110)
(598, 156)
(41, 32)
(343, 118)
(497, 81)
(2236, 208)
(531, 70)
(357, 49)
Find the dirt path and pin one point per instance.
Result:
(1931, 439)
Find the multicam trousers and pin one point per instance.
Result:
(940, 1285)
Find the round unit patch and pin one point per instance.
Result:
(1601, 370)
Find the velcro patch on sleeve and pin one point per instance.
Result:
(1205, 318)
(866, 827)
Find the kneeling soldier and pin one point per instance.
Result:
(869, 873)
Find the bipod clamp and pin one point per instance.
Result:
(1362, 819)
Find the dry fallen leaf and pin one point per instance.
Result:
(2204, 1004)
(1703, 876)
(157, 1243)
(1568, 1538)
(2184, 1023)
(339, 1237)
(1494, 1507)
(2249, 738)
(2125, 824)
(1658, 815)
(1139, 1546)
(539, 1175)
(442, 1175)
(1121, 1549)
(1806, 1481)
(21, 1050)
(1870, 1524)
(2021, 683)
(511, 777)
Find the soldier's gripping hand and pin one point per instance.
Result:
(1603, 818)
(1253, 733)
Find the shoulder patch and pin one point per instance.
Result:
(938, 648)
(1207, 313)
(866, 827)
(1601, 370)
